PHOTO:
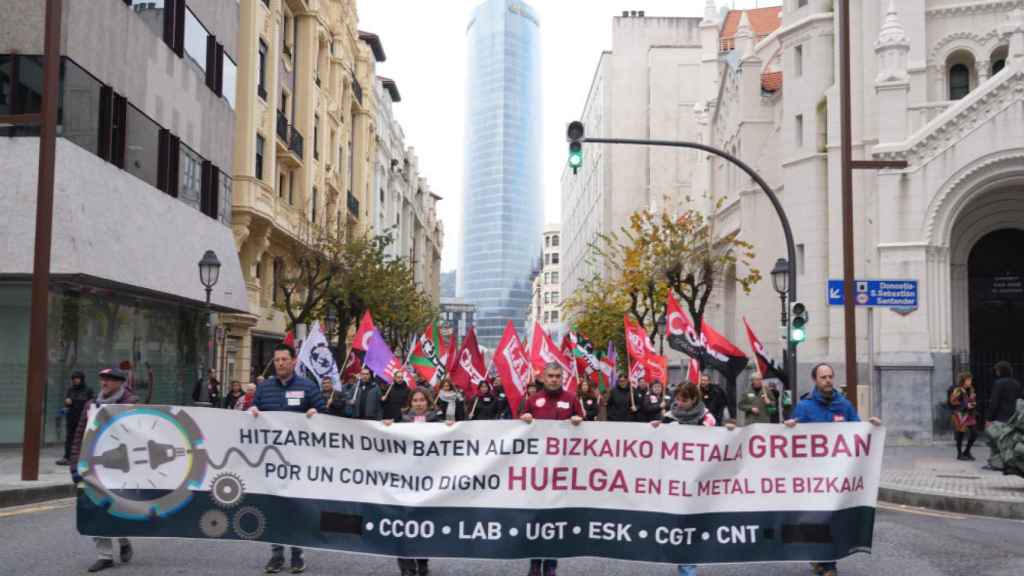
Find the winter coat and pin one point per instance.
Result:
(504, 410)
(362, 400)
(441, 408)
(392, 401)
(1003, 400)
(715, 401)
(649, 406)
(763, 400)
(591, 407)
(557, 405)
(485, 408)
(814, 408)
(76, 445)
(80, 396)
(231, 400)
(296, 395)
(334, 403)
(619, 405)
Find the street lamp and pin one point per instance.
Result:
(209, 273)
(331, 322)
(780, 281)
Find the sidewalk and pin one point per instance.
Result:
(932, 477)
(54, 481)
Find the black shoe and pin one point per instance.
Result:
(298, 565)
(126, 553)
(274, 566)
(63, 462)
(962, 457)
(969, 456)
(101, 564)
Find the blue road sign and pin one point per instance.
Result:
(877, 293)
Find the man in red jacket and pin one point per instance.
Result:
(551, 403)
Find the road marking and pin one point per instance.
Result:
(35, 509)
(920, 511)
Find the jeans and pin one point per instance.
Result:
(105, 547)
(687, 569)
(277, 551)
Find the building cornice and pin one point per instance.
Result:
(973, 8)
(813, 26)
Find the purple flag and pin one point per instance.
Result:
(379, 358)
(613, 360)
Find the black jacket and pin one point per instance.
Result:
(1003, 401)
(504, 410)
(715, 401)
(392, 401)
(485, 408)
(442, 410)
(80, 396)
(591, 407)
(230, 400)
(619, 405)
(650, 406)
(334, 403)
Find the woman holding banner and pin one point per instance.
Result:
(417, 410)
(485, 406)
(688, 409)
(589, 399)
(449, 403)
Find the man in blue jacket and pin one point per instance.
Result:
(286, 391)
(825, 404)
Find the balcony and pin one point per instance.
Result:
(353, 205)
(295, 142)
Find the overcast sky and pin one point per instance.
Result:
(425, 43)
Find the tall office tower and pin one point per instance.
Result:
(503, 210)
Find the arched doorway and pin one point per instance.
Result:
(995, 270)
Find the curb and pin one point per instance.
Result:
(1011, 510)
(34, 494)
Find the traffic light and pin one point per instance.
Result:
(797, 322)
(574, 134)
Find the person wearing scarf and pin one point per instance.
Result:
(449, 404)
(417, 410)
(112, 391)
(688, 409)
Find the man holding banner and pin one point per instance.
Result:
(551, 403)
(286, 391)
(825, 404)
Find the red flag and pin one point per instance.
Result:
(513, 366)
(694, 372)
(765, 365)
(682, 334)
(450, 358)
(289, 338)
(366, 328)
(721, 354)
(543, 350)
(653, 366)
(353, 365)
(470, 370)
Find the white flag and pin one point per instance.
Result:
(316, 359)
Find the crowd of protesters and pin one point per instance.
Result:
(371, 398)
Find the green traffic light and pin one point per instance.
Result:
(798, 335)
(576, 159)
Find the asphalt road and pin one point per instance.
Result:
(41, 540)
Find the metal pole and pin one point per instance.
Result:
(787, 231)
(37, 346)
(210, 339)
(846, 169)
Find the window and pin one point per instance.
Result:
(554, 315)
(195, 40)
(554, 240)
(798, 61)
(259, 157)
(6, 82)
(229, 78)
(547, 259)
(547, 241)
(554, 277)
(211, 190)
(261, 86)
(998, 65)
(224, 202)
(554, 258)
(555, 297)
(79, 107)
(799, 131)
(190, 177)
(291, 188)
(276, 271)
(312, 211)
(959, 81)
(547, 297)
(142, 137)
(280, 184)
(316, 136)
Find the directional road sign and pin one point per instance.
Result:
(877, 293)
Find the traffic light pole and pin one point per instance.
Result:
(790, 364)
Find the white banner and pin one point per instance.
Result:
(759, 493)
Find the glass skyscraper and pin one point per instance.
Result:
(503, 208)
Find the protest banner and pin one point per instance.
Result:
(495, 490)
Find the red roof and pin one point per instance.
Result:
(771, 81)
(763, 21)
